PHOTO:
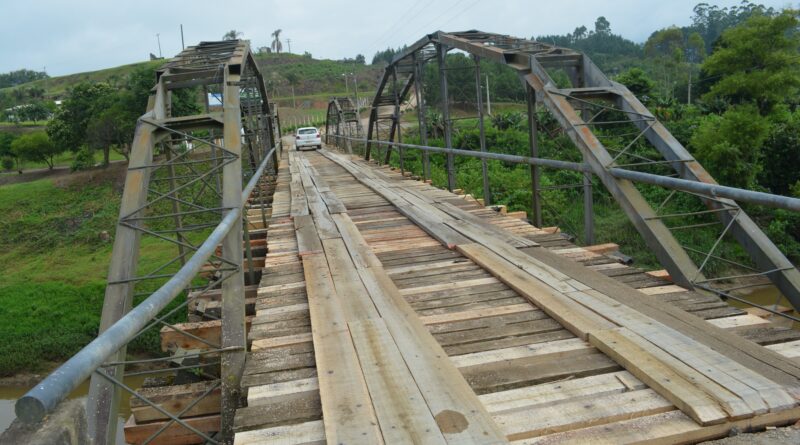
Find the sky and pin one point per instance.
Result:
(75, 36)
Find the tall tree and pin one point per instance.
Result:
(276, 45)
(36, 147)
(231, 35)
(602, 26)
(757, 62)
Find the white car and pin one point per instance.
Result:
(307, 137)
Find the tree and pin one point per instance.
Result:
(602, 26)
(360, 59)
(110, 128)
(67, 128)
(579, 33)
(232, 35)
(35, 111)
(637, 81)
(757, 62)
(276, 45)
(730, 145)
(36, 147)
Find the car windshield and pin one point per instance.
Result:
(307, 131)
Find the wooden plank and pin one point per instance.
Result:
(355, 299)
(577, 319)
(277, 342)
(176, 434)
(456, 408)
(477, 313)
(753, 388)
(346, 405)
(399, 405)
(281, 392)
(659, 376)
(581, 413)
(306, 232)
(747, 353)
(667, 428)
(174, 399)
(306, 433)
(530, 397)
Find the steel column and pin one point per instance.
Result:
(487, 192)
(102, 403)
(233, 305)
(421, 118)
(441, 52)
(533, 142)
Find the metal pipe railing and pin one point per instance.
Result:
(36, 403)
(712, 190)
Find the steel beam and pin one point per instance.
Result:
(487, 192)
(441, 53)
(233, 304)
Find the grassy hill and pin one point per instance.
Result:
(317, 76)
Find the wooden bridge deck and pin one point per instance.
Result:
(391, 311)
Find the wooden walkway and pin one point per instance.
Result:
(390, 311)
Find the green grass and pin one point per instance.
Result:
(65, 160)
(54, 267)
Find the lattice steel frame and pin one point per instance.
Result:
(203, 161)
(573, 109)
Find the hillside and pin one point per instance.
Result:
(319, 76)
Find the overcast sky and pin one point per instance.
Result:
(75, 36)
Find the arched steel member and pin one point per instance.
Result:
(186, 185)
(579, 110)
(342, 122)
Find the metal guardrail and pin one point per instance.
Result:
(44, 397)
(713, 190)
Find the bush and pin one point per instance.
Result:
(84, 159)
(7, 163)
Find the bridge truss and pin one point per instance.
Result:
(194, 165)
(343, 120)
(620, 141)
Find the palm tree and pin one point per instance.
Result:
(232, 35)
(277, 46)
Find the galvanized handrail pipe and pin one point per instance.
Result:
(713, 190)
(36, 403)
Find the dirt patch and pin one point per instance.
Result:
(114, 173)
(451, 422)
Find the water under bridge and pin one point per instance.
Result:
(335, 299)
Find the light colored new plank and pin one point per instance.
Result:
(346, 405)
(530, 397)
(577, 319)
(277, 342)
(659, 376)
(581, 413)
(308, 433)
(457, 410)
(281, 391)
(402, 413)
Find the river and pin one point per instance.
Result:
(10, 394)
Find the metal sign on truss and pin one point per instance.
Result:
(619, 139)
(192, 169)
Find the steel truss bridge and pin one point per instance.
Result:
(199, 178)
(640, 153)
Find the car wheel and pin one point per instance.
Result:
(297, 148)
(319, 147)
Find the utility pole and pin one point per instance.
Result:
(182, 44)
(158, 38)
(488, 100)
(289, 43)
(346, 90)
